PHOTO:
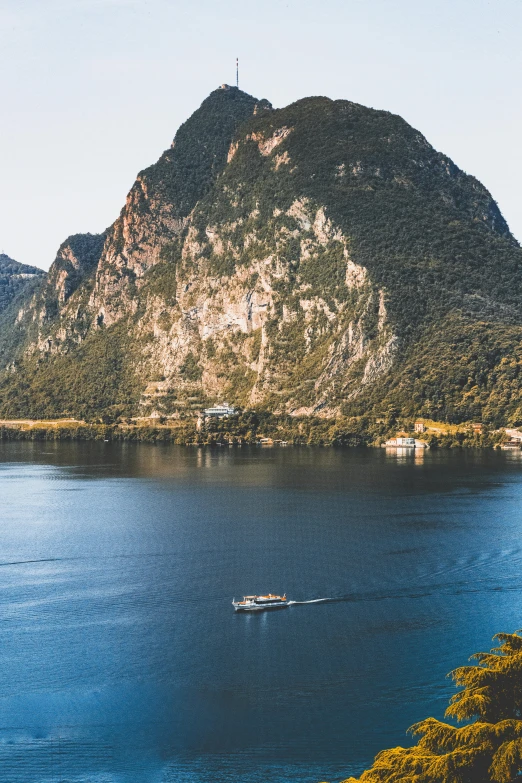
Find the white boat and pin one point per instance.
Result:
(256, 603)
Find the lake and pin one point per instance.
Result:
(123, 660)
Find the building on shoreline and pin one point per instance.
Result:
(511, 445)
(405, 443)
(515, 440)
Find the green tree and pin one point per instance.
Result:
(486, 750)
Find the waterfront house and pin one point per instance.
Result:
(512, 445)
(401, 443)
(405, 443)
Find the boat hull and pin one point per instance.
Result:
(260, 607)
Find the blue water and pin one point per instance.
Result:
(121, 657)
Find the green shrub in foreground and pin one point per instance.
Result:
(486, 750)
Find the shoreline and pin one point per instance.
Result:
(265, 430)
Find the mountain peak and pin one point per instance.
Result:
(200, 148)
(226, 87)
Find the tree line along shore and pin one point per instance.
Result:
(258, 427)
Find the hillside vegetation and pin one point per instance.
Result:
(318, 260)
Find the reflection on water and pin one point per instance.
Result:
(405, 454)
(122, 659)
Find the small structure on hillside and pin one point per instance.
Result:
(419, 426)
(477, 427)
(222, 411)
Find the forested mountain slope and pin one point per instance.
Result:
(14, 277)
(317, 259)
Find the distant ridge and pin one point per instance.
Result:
(14, 278)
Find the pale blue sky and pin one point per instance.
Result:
(93, 90)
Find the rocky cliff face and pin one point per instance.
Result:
(263, 331)
(47, 312)
(292, 259)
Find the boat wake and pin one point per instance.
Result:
(313, 601)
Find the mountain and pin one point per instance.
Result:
(14, 278)
(321, 259)
(17, 282)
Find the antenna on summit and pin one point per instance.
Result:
(237, 72)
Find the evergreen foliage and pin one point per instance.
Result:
(486, 750)
(462, 371)
(97, 379)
